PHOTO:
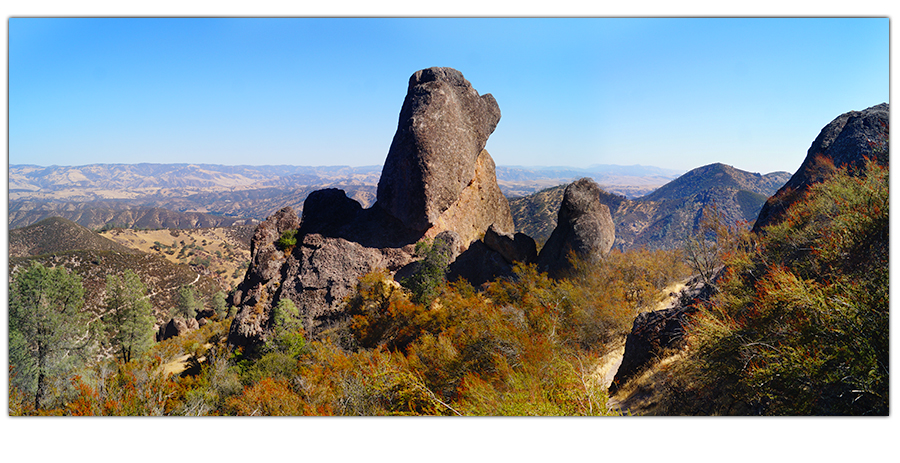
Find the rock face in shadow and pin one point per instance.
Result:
(846, 141)
(444, 125)
(437, 181)
(176, 326)
(584, 227)
(514, 248)
(652, 333)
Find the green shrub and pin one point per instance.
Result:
(287, 240)
(431, 271)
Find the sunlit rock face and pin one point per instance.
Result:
(443, 128)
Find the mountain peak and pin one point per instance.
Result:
(716, 175)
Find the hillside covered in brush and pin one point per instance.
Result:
(56, 235)
(97, 215)
(59, 242)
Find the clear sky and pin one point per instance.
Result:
(668, 92)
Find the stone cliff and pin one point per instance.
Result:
(444, 126)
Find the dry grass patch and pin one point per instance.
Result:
(215, 250)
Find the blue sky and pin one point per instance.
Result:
(675, 93)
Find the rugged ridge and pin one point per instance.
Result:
(846, 141)
(662, 219)
(55, 235)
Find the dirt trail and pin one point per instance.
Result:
(178, 364)
(608, 365)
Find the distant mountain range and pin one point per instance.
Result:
(663, 218)
(629, 181)
(207, 195)
(113, 181)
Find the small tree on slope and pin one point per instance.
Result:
(129, 318)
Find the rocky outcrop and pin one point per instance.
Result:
(651, 334)
(177, 326)
(437, 182)
(265, 257)
(443, 128)
(266, 260)
(322, 268)
(584, 227)
(480, 205)
(846, 141)
(514, 248)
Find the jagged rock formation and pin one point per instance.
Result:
(321, 269)
(846, 141)
(437, 181)
(584, 226)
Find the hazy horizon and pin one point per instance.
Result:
(314, 166)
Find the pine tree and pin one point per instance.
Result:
(129, 316)
(220, 305)
(48, 333)
(187, 304)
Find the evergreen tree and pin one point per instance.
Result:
(187, 304)
(48, 333)
(431, 270)
(220, 305)
(287, 328)
(129, 316)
